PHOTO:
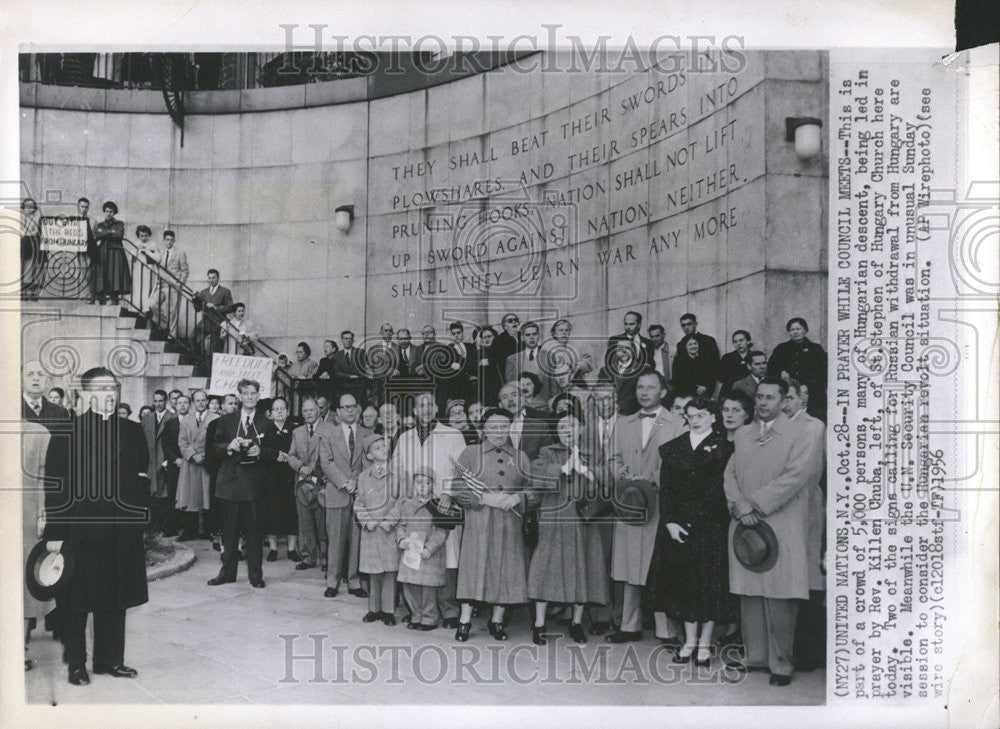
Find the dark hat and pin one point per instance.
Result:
(305, 492)
(756, 547)
(635, 500)
(445, 518)
(47, 573)
(592, 503)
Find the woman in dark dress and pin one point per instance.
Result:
(689, 574)
(278, 514)
(489, 369)
(112, 277)
(802, 359)
(693, 373)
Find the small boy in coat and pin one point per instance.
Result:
(421, 571)
(376, 505)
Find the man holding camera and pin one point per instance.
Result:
(240, 483)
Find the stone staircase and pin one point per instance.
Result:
(70, 337)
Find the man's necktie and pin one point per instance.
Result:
(531, 355)
(166, 258)
(246, 425)
(647, 415)
(350, 443)
(36, 405)
(311, 430)
(198, 419)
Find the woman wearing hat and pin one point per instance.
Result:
(568, 564)
(112, 277)
(377, 507)
(492, 487)
(689, 573)
(422, 568)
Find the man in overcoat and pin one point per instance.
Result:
(636, 455)
(95, 511)
(767, 480)
(810, 632)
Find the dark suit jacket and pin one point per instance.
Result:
(648, 350)
(50, 412)
(537, 431)
(236, 481)
(458, 383)
(732, 367)
(350, 363)
(504, 346)
(212, 318)
(624, 386)
(406, 367)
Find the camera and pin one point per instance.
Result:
(245, 458)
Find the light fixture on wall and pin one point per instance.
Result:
(805, 133)
(343, 217)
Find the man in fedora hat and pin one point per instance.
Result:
(96, 512)
(636, 455)
(766, 481)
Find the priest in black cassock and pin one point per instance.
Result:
(96, 512)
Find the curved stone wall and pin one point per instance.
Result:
(549, 193)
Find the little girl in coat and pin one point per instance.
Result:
(422, 571)
(377, 505)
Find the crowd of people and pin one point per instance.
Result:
(682, 495)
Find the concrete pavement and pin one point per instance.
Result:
(287, 644)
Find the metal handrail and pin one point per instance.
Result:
(160, 285)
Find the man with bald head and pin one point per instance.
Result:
(341, 461)
(34, 405)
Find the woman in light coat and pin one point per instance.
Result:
(492, 563)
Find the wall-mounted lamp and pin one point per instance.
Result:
(343, 217)
(805, 133)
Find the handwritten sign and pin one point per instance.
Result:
(229, 369)
(60, 233)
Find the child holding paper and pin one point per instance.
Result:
(421, 569)
(377, 506)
